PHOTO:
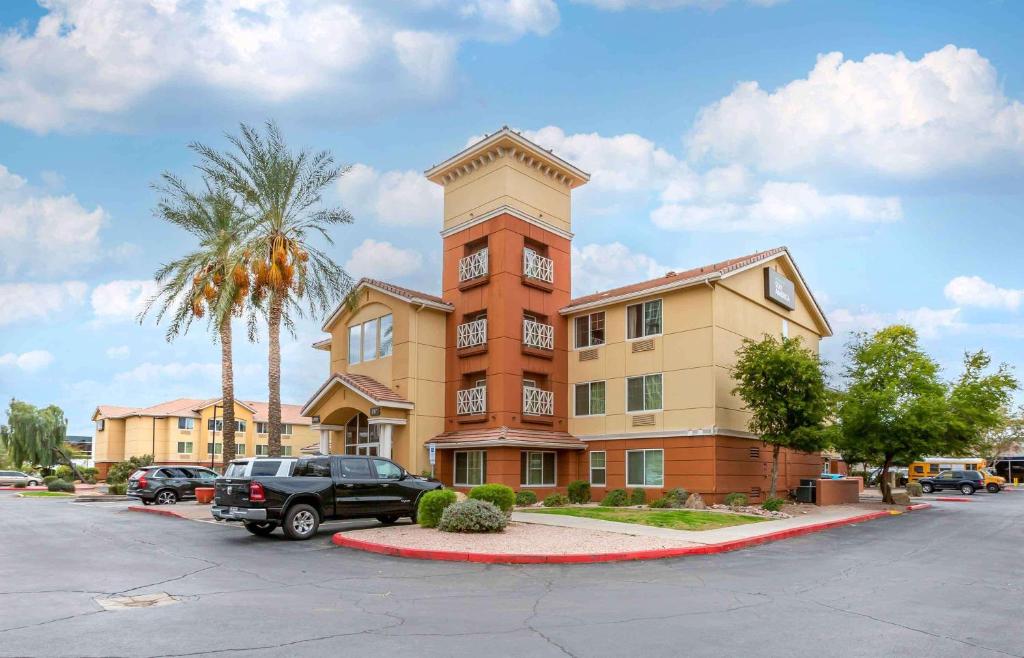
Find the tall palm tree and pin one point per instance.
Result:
(282, 193)
(213, 279)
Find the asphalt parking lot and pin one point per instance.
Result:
(942, 582)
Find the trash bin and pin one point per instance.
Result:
(807, 491)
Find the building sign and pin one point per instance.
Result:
(779, 289)
(433, 454)
(374, 411)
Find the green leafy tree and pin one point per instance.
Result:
(281, 193)
(36, 436)
(783, 386)
(1006, 438)
(213, 279)
(977, 405)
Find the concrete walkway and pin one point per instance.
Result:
(698, 537)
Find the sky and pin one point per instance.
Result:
(882, 142)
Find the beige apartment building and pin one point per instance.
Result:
(190, 431)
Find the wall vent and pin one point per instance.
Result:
(755, 492)
(643, 420)
(755, 453)
(588, 355)
(643, 345)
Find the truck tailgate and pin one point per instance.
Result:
(232, 492)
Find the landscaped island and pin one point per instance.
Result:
(675, 519)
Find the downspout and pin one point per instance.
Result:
(154, 438)
(714, 392)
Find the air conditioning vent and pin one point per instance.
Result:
(755, 453)
(643, 345)
(643, 420)
(588, 355)
(755, 492)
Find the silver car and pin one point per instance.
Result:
(11, 478)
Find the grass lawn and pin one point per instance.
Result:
(677, 519)
(45, 494)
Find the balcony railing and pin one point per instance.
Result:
(538, 402)
(541, 336)
(536, 266)
(471, 401)
(472, 333)
(473, 266)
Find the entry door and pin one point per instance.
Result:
(355, 486)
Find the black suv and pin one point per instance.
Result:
(166, 485)
(967, 482)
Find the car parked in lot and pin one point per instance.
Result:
(967, 482)
(11, 478)
(166, 485)
(316, 489)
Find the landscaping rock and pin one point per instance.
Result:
(901, 499)
(695, 502)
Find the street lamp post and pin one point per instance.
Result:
(213, 442)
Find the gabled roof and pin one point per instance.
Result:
(369, 388)
(507, 436)
(398, 292)
(692, 277)
(213, 401)
(189, 408)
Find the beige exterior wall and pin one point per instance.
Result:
(108, 444)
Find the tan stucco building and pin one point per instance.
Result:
(506, 378)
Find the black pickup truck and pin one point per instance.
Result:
(316, 489)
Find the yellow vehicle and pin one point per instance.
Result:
(932, 466)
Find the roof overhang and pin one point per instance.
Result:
(343, 305)
(497, 443)
(220, 402)
(333, 381)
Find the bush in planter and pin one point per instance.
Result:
(432, 505)
(556, 500)
(615, 498)
(676, 497)
(637, 497)
(773, 504)
(472, 515)
(118, 489)
(659, 503)
(61, 485)
(914, 489)
(501, 496)
(524, 498)
(579, 491)
(736, 499)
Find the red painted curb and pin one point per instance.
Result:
(949, 499)
(340, 539)
(918, 506)
(156, 510)
(22, 488)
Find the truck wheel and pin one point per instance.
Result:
(387, 519)
(992, 487)
(260, 528)
(927, 487)
(301, 522)
(166, 497)
(967, 490)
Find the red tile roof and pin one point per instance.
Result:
(187, 407)
(507, 436)
(370, 387)
(723, 267)
(407, 293)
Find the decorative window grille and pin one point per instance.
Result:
(472, 333)
(538, 335)
(538, 402)
(471, 401)
(536, 266)
(473, 266)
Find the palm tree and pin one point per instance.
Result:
(212, 279)
(282, 195)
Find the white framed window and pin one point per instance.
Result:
(470, 468)
(643, 319)
(239, 449)
(645, 468)
(286, 451)
(537, 469)
(589, 399)
(184, 447)
(286, 429)
(361, 438)
(215, 448)
(355, 343)
(598, 468)
(590, 330)
(186, 423)
(643, 393)
(218, 425)
(262, 449)
(262, 428)
(101, 424)
(386, 336)
(370, 340)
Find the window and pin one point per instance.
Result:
(184, 447)
(286, 451)
(645, 468)
(387, 470)
(643, 319)
(318, 467)
(265, 467)
(240, 449)
(643, 393)
(470, 468)
(385, 336)
(590, 330)
(262, 449)
(537, 469)
(370, 340)
(598, 471)
(186, 424)
(361, 438)
(101, 424)
(356, 469)
(590, 399)
(785, 328)
(355, 343)
(218, 425)
(261, 428)
(215, 448)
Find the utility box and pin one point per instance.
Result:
(807, 491)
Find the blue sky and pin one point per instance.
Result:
(882, 142)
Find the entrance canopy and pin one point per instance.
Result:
(361, 407)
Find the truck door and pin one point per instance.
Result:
(354, 486)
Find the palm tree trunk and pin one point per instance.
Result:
(227, 385)
(274, 367)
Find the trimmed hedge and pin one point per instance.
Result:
(615, 498)
(47, 479)
(736, 499)
(432, 505)
(579, 492)
(556, 500)
(472, 515)
(21, 484)
(637, 497)
(524, 498)
(773, 504)
(501, 496)
(61, 485)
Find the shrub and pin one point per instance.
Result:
(773, 504)
(579, 491)
(473, 515)
(615, 498)
(432, 505)
(501, 496)
(121, 471)
(659, 503)
(64, 472)
(637, 497)
(49, 478)
(556, 500)
(61, 485)
(524, 498)
(118, 489)
(20, 485)
(914, 489)
(676, 497)
(88, 474)
(736, 499)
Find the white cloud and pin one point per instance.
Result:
(89, 61)
(27, 361)
(119, 352)
(396, 198)
(975, 291)
(382, 260)
(602, 266)
(148, 373)
(38, 301)
(620, 5)
(929, 322)
(886, 113)
(121, 300)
